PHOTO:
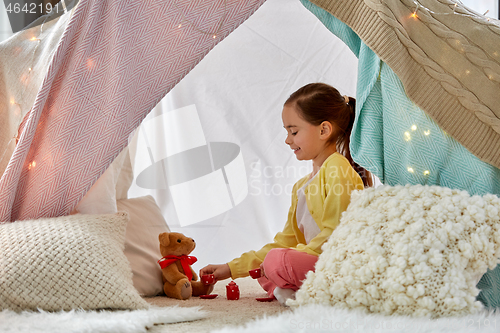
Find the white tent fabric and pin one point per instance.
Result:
(5, 28)
(232, 101)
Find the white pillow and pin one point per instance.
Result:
(413, 250)
(65, 263)
(142, 246)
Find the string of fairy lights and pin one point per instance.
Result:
(408, 138)
(24, 79)
(419, 7)
(30, 70)
(214, 34)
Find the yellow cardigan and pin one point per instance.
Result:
(327, 196)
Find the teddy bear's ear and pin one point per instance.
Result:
(164, 239)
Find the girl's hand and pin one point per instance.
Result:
(221, 272)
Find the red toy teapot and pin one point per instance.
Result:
(232, 291)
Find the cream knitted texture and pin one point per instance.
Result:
(413, 250)
(448, 64)
(66, 263)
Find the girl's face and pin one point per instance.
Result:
(305, 139)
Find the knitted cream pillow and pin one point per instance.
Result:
(67, 262)
(413, 250)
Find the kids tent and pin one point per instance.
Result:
(222, 172)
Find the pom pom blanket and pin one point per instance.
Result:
(407, 250)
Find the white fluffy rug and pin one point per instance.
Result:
(79, 321)
(320, 318)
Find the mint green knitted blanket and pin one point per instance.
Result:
(400, 144)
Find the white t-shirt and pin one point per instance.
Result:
(305, 221)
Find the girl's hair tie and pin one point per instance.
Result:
(346, 99)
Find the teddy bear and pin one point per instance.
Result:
(179, 279)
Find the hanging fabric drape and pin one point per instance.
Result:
(447, 57)
(394, 138)
(32, 48)
(113, 64)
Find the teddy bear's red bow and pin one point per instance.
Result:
(186, 261)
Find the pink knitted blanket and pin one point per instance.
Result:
(115, 61)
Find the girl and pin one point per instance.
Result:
(318, 121)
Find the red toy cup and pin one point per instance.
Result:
(208, 279)
(255, 273)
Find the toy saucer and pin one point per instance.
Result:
(265, 299)
(211, 296)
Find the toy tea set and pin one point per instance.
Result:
(232, 289)
(179, 279)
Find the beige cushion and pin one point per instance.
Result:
(414, 250)
(67, 262)
(142, 247)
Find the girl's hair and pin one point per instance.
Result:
(319, 102)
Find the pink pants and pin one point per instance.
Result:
(286, 268)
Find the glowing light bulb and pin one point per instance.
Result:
(90, 63)
(410, 170)
(414, 15)
(33, 38)
(29, 69)
(407, 136)
(29, 166)
(33, 164)
(414, 127)
(427, 132)
(467, 72)
(180, 25)
(12, 101)
(214, 36)
(426, 172)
